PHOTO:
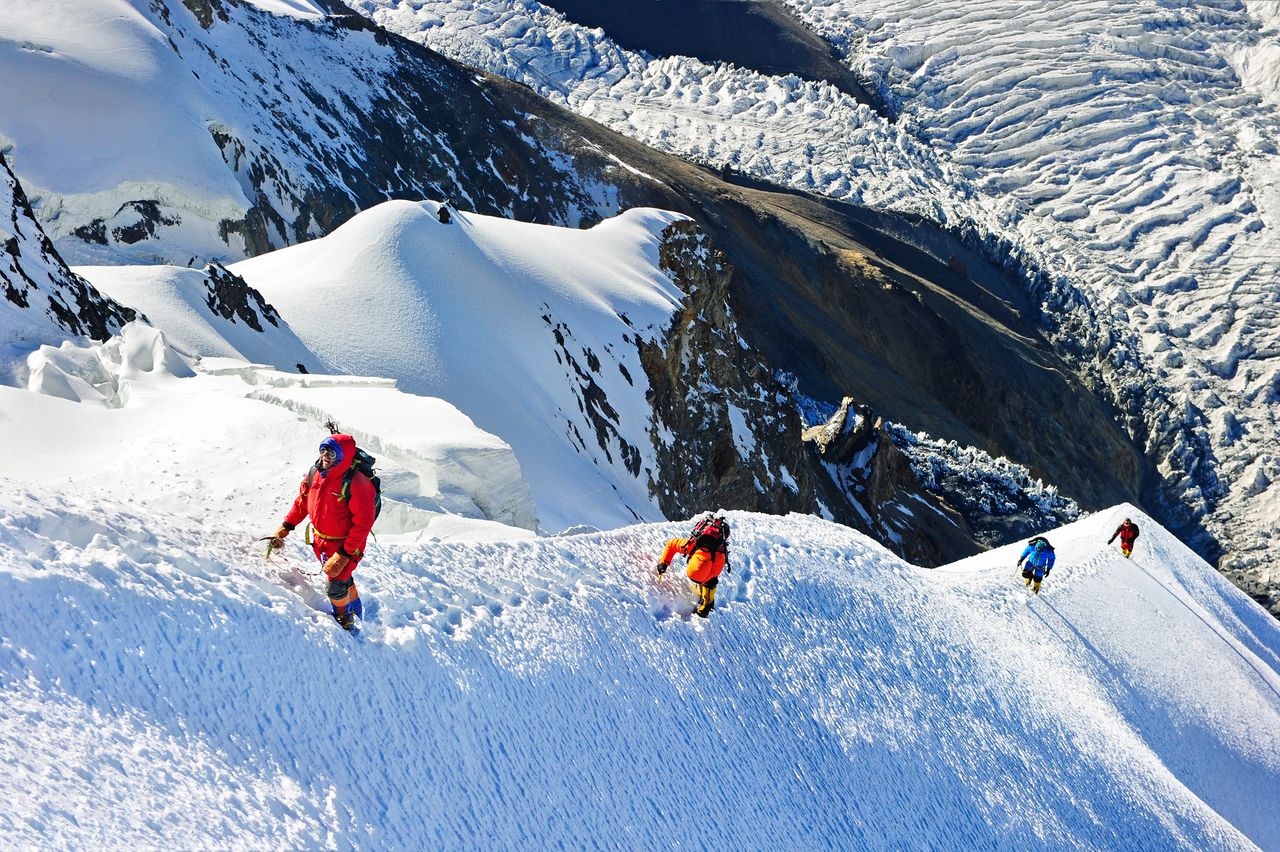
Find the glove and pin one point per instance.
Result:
(277, 540)
(662, 568)
(337, 562)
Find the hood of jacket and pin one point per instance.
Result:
(348, 445)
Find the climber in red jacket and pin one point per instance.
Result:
(1128, 531)
(341, 504)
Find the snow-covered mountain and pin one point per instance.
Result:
(590, 352)
(1122, 154)
(456, 310)
(802, 277)
(166, 686)
(210, 129)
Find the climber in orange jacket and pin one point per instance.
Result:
(707, 552)
(342, 510)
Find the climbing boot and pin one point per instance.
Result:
(707, 602)
(1028, 583)
(1036, 587)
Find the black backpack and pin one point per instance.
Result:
(711, 535)
(364, 464)
(1040, 538)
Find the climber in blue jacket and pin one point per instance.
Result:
(1039, 559)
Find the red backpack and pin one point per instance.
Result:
(711, 535)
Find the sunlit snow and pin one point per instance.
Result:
(167, 686)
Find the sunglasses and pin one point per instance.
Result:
(328, 451)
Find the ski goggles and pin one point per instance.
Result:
(329, 447)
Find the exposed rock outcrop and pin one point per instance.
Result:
(231, 297)
(878, 479)
(36, 282)
(728, 432)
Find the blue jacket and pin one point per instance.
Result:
(1037, 558)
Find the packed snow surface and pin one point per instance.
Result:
(165, 685)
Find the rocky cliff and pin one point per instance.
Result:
(42, 297)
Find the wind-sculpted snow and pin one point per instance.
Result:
(182, 302)
(166, 686)
(1122, 153)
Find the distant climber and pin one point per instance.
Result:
(342, 504)
(443, 213)
(1039, 558)
(1128, 532)
(707, 552)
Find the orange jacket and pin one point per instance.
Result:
(346, 522)
(703, 565)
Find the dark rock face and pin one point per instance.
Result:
(34, 279)
(729, 416)
(872, 473)
(737, 431)
(204, 10)
(134, 222)
(231, 297)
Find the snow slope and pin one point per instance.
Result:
(165, 686)
(107, 409)
(531, 330)
(176, 300)
(512, 323)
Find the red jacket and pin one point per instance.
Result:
(1127, 533)
(344, 521)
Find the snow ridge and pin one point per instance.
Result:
(552, 691)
